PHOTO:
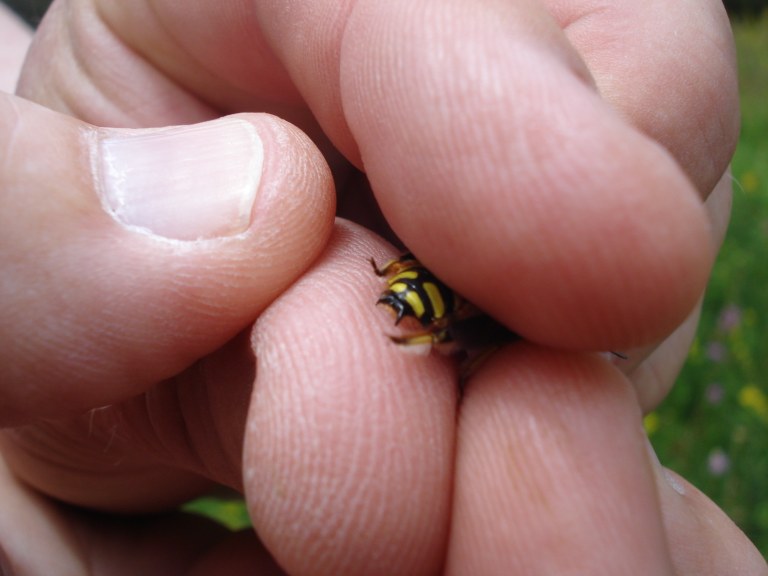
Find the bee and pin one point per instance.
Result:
(449, 323)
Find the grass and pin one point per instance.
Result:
(713, 429)
(228, 511)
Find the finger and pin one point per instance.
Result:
(669, 67)
(16, 39)
(567, 223)
(129, 255)
(703, 540)
(549, 446)
(167, 64)
(150, 453)
(348, 452)
(78, 542)
(654, 369)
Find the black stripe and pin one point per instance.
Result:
(417, 285)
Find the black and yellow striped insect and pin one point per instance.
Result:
(449, 323)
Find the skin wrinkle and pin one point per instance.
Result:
(127, 104)
(535, 490)
(362, 459)
(662, 75)
(334, 526)
(84, 69)
(10, 139)
(540, 438)
(196, 60)
(195, 436)
(498, 236)
(304, 430)
(205, 68)
(317, 77)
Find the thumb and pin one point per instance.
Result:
(129, 254)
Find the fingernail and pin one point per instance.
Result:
(183, 182)
(672, 480)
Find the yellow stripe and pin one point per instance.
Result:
(405, 274)
(409, 296)
(413, 298)
(436, 298)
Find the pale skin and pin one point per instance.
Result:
(561, 164)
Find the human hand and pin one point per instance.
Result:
(340, 422)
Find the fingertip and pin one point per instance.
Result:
(341, 420)
(703, 539)
(549, 445)
(130, 254)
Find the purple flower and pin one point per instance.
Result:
(714, 393)
(730, 318)
(718, 462)
(716, 351)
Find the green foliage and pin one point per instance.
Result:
(713, 429)
(230, 512)
(745, 8)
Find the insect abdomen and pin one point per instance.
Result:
(416, 292)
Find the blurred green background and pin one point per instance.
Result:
(713, 428)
